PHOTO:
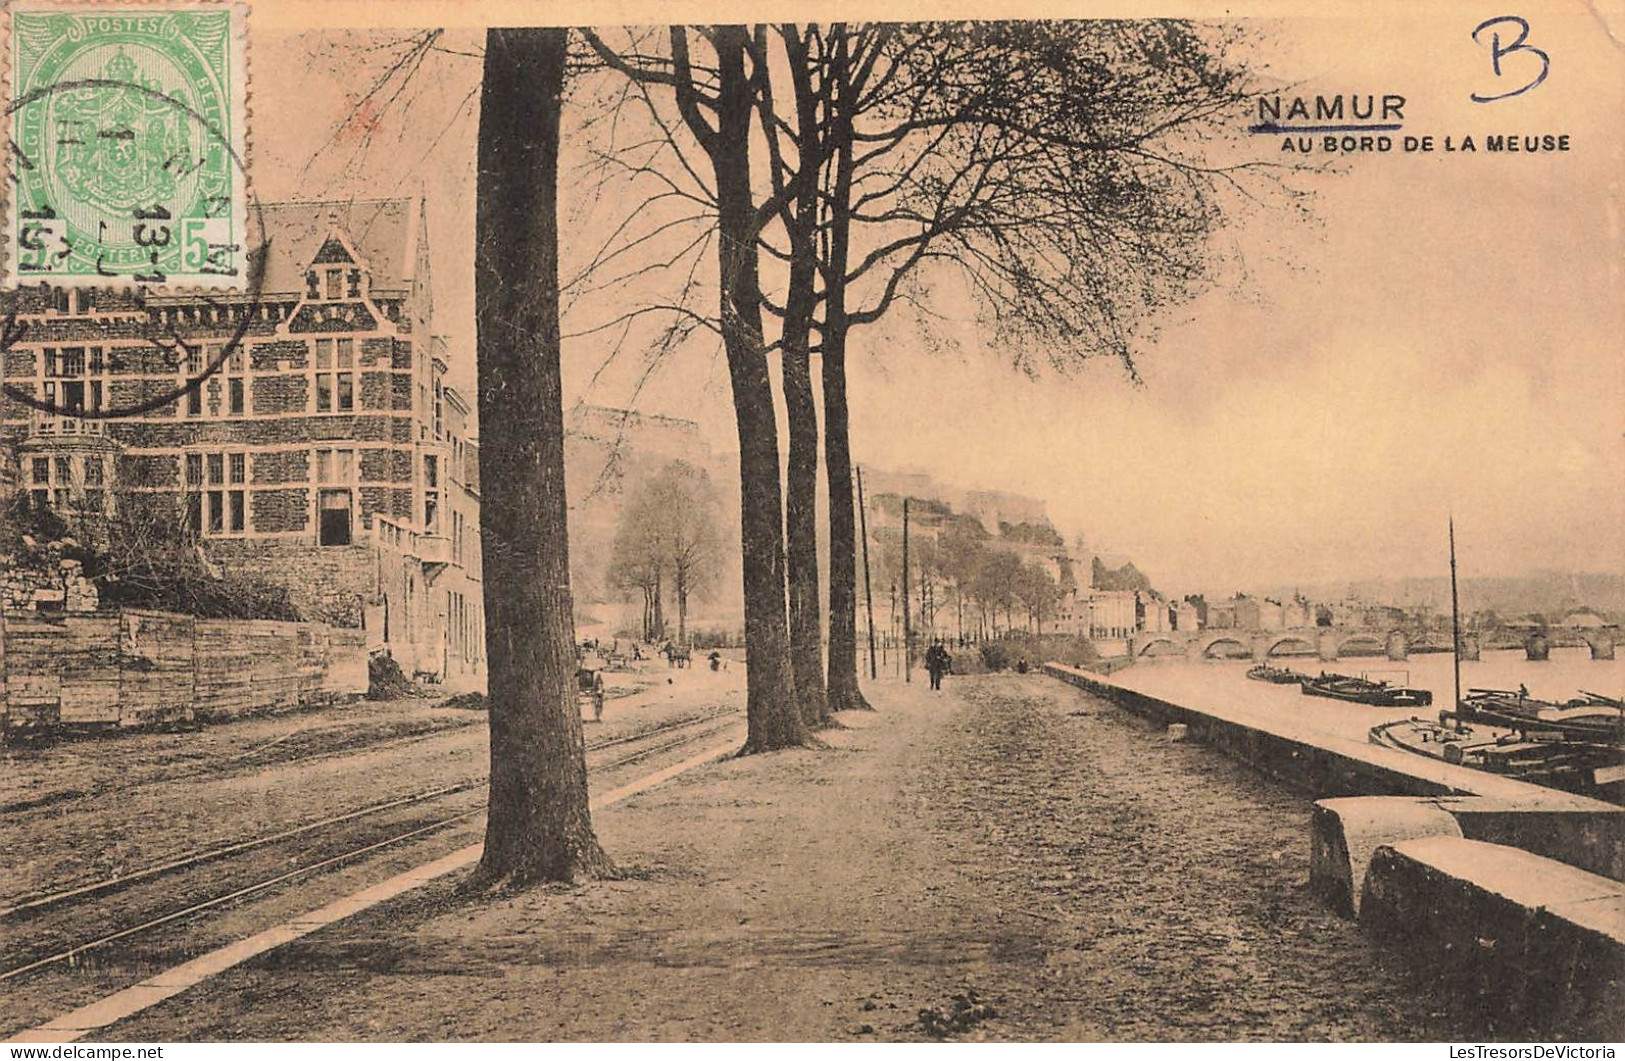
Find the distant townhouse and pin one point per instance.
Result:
(1221, 615)
(1151, 610)
(1297, 614)
(1113, 613)
(1185, 615)
(325, 452)
(1254, 613)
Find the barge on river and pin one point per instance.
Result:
(1589, 718)
(1363, 690)
(1540, 756)
(1263, 672)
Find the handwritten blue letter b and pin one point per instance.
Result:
(1497, 51)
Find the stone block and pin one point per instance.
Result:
(1345, 833)
(1535, 945)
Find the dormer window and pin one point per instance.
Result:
(334, 288)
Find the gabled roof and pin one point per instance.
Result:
(384, 232)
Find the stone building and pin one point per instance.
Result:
(1113, 614)
(1258, 613)
(305, 430)
(1185, 615)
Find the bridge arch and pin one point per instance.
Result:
(1364, 641)
(1147, 648)
(1601, 643)
(1305, 645)
(1209, 644)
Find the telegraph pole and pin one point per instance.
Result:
(908, 630)
(891, 624)
(1455, 618)
(868, 593)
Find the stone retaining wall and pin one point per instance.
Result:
(133, 667)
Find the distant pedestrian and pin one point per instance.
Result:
(937, 663)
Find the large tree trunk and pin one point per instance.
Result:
(801, 484)
(682, 606)
(772, 715)
(539, 826)
(843, 691)
(801, 527)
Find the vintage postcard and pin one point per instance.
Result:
(982, 523)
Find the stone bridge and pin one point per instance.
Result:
(1328, 643)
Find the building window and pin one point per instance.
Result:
(335, 467)
(61, 482)
(431, 494)
(75, 384)
(194, 369)
(233, 381)
(335, 283)
(335, 509)
(216, 498)
(69, 361)
(335, 391)
(335, 498)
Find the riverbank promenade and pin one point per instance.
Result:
(1009, 859)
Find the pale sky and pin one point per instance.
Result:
(1445, 335)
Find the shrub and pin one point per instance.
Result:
(386, 680)
(145, 556)
(1033, 652)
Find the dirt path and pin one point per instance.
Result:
(1010, 837)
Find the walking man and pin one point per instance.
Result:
(937, 662)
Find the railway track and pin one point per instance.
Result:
(325, 850)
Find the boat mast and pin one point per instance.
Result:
(1455, 617)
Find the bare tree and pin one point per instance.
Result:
(539, 827)
(669, 524)
(793, 170)
(715, 102)
(1036, 162)
(688, 506)
(638, 559)
(1044, 169)
(1038, 593)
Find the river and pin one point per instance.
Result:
(1224, 685)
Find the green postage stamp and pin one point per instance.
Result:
(128, 145)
